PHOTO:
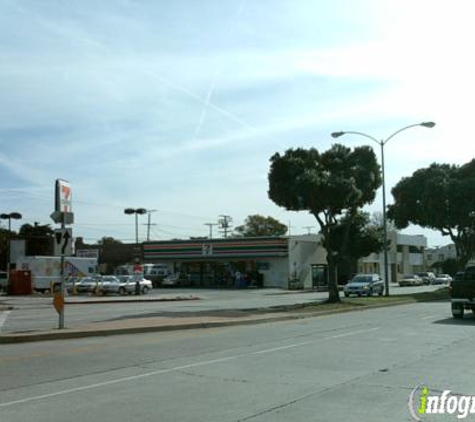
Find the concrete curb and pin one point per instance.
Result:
(121, 301)
(75, 334)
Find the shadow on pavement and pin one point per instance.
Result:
(467, 320)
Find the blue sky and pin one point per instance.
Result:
(178, 106)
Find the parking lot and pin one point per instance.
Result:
(36, 312)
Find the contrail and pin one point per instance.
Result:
(216, 74)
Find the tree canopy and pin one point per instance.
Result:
(258, 225)
(108, 240)
(364, 236)
(328, 185)
(39, 238)
(439, 197)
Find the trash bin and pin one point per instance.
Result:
(20, 282)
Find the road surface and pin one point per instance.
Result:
(357, 366)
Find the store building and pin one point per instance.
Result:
(285, 262)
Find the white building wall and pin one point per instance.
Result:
(305, 251)
(278, 273)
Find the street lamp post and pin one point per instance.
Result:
(9, 217)
(382, 143)
(136, 211)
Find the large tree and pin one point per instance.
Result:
(258, 225)
(329, 185)
(108, 240)
(439, 197)
(356, 236)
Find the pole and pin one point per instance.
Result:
(210, 225)
(61, 313)
(8, 254)
(385, 226)
(136, 228)
(148, 226)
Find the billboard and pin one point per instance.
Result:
(87, 253)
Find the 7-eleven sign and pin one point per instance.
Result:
(63, 196)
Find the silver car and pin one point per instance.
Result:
(411, 280)
(125, 284)
(88, 284)
(442, 279)
(364, 284)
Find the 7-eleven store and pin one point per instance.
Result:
(298, 261)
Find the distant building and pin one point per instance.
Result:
(434, 256)
(110, 255)
(405, 256)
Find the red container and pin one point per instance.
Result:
(20, 281)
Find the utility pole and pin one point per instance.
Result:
(149, 223)
(289, 227)
(309, 228)
(210, 225)
(225, 223)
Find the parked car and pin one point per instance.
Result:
(171, 280)
(442, 279)
(411, 280)
(88, 284)
(126, 284)
(109, 284)
(364, 284)
(427, 277)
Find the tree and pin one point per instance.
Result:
(108, 240)
(258, 225)
(4, 236)
(329, 185)
(39, 238)
(365, 237)
(439, 197)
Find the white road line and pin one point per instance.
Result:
(353, 333)
(3, 318)
(174, 369)
(428, 317)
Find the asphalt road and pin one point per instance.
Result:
(37, 313)
(358, 366)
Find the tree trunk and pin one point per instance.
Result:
(333, 294)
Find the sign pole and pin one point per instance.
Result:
(62, 215)
(61, 312)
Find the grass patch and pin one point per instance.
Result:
(361, 302)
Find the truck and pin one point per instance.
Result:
(46, 270)
(462, 292)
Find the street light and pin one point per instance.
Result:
(9, 217)
(136, 211)
(382, 143)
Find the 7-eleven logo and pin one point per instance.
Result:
(65, 196)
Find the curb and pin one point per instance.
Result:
(122, 301)
(66, 335)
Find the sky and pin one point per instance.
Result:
(178, 106)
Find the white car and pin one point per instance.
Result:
(126, 284)
(442, 279)
(411, 280)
